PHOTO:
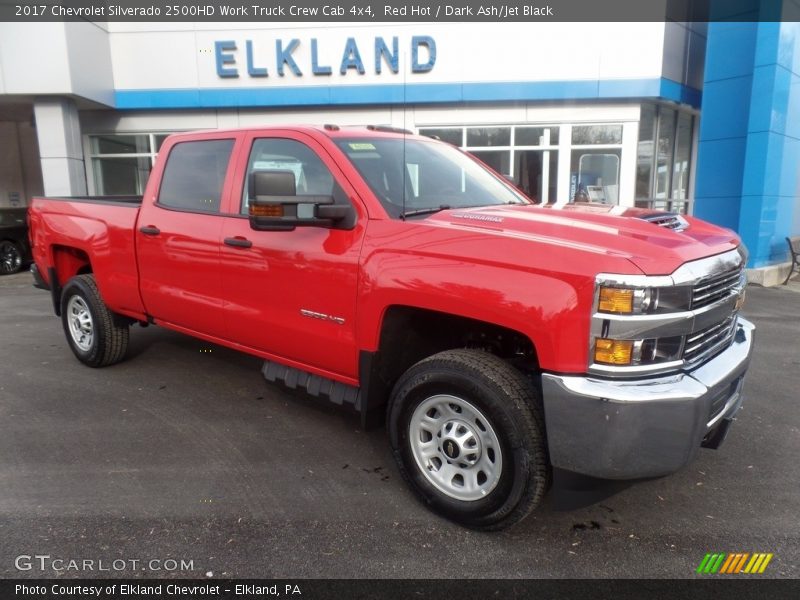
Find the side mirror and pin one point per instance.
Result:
(275, 206)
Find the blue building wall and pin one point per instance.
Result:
(749, 146)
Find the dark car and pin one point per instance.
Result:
(14, 247)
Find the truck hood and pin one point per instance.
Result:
(635, 234)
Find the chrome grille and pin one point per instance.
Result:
(707, 342)
(714, 288)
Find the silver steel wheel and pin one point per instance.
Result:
(81, 327)
(10, 258)
(455, 447)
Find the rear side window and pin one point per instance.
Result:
(194, 175)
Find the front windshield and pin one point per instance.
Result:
(409, 175)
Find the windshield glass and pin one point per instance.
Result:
(414, 175)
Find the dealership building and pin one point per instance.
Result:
(693, 117)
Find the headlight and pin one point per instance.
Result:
(625, 300)
(643, 301)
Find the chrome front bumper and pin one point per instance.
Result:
(627, 429)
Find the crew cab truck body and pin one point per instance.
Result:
(399, 276)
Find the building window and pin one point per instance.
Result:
(499, 160)
(664, 158)
(526, 154)
(121, 163)
(121, 176)
(665, 147)
(595, 162)
(585, 135)
(488, 136)
(644, 151)
(594, 175)
(536, 136)
(451, 135)
(683, 154)
(536, 173)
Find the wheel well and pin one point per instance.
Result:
(69, 262)
(410, 334)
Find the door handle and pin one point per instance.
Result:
(150, 230)
(238, 242)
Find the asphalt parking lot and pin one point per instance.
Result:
(183, 452)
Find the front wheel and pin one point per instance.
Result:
(467, 431)
(93, 332)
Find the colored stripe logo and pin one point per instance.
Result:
(731, 563)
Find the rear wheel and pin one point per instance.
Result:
(467, 432)
(93, 331)
(10, 257)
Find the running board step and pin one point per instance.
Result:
(321, 387)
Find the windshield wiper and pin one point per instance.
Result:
(425, 211)
(435, 209)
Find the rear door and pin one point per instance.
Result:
(292, 294)
(178, 236)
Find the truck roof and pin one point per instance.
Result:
(329, 130)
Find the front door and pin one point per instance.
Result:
(292, 294)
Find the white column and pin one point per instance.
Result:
(564, 164)
(627, 168)
(59, 132)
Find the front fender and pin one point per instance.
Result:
(552, 312)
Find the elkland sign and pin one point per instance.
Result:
(256, 59)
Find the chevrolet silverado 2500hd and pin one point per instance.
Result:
(397, 275)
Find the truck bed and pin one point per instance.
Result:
(66, 231)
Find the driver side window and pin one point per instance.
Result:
(312, 177)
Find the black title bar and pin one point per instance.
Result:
(428, 11)
(740, 588)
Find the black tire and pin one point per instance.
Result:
(108, 343)
(10, 257)
(513, 409)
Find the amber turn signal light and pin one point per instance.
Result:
(268, 210)
(616, 300)
(613, 352)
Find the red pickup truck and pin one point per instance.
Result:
(399, 276)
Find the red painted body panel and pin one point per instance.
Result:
(527, 268)
(103, 233)
(310, 268)
(181, 278)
